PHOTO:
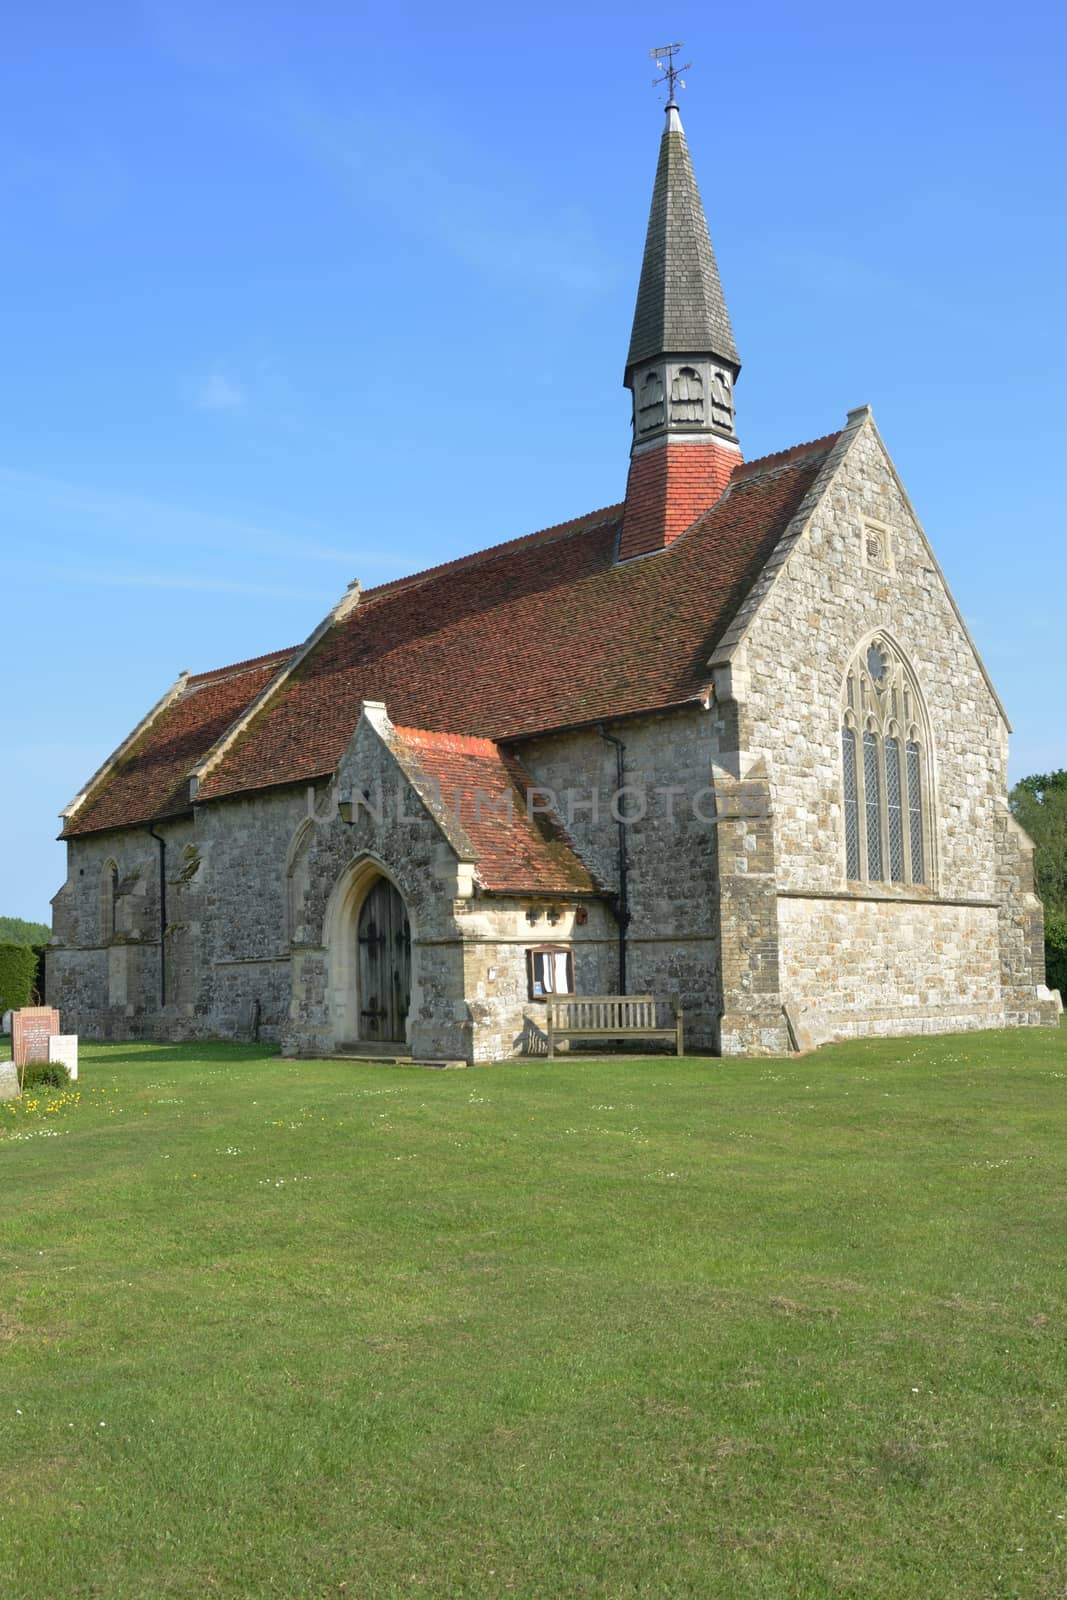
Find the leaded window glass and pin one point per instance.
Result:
(872, 792)
(894, 810)
(852, 820)
(883, 784)
(915, 812)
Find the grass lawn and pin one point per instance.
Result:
(780, 1329)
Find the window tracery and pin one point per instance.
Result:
(884, 766)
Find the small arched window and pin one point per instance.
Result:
(884, 781)
(109, 896)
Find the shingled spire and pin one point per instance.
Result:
(682, 364)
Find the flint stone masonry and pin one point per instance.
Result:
(739, 908)
(894, 966)
(672, 625)
(673, 937)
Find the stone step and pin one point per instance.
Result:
(392, 1061)
(391, 1048)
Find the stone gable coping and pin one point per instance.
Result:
(859, 419)
(344, 607)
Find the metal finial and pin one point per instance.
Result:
(672, 75)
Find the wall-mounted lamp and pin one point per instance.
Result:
(344, 810)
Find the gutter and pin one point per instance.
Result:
(622, 898)
(158, 837)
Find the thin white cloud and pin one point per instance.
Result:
(108, 517)
(216, 392)
(99, 578)
(477, 209)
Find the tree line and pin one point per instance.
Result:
(1039, 804)
(15, 930)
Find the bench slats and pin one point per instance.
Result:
(612, 1016)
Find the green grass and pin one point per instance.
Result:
(740, 1329)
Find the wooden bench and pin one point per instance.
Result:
(612, 1016)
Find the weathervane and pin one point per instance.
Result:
(664, 59)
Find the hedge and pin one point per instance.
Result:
(1056, 950)
(18, 970)
(39, 953)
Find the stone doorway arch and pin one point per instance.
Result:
(368, 943)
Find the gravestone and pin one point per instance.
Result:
(31, 1029)
(63, 1047)
(9, 1081)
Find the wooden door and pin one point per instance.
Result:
(384, 965)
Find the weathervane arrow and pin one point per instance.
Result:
(664, 56)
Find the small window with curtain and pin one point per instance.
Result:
(550, 968)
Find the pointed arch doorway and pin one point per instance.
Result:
(383, 965)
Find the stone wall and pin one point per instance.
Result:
(105, 981)
(752, 1021)
(497, 933)
(855, 967)
(1021, 927)
(469, 998)
(783, 667)
(332, 865)
(235, 912)
(737, 897)
(226, 947)
(672, 940)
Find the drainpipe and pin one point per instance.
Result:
(622, 899)
(162, 843)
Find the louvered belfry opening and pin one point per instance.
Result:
(681, 367)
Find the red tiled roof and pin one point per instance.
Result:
(151, 779)
(539, 633)
(485, 789)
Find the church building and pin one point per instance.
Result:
(728, 742)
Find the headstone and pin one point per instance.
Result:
(32, 1027)
(5, 1022)
(9, 1081)
(1045, 993)
(63, 1047)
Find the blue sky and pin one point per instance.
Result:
(295, 295)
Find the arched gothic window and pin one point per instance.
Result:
(109, 894)
(884, 770)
